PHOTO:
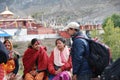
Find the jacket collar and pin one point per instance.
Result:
(77, 34)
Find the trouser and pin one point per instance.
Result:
(39, 76)
(84, 77)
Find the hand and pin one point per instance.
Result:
(33, 72)
(58, 71)
(74, 77)
(12, 76)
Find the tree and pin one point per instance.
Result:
(115, 18)
(105, 21)
(109, 28)
(94, 33)
(111, 37)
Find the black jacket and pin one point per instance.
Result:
(3, 53)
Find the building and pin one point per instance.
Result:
(20, 26)
(84, 29)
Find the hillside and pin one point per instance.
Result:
(66, 10)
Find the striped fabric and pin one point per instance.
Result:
(1, 72)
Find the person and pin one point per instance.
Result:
(60, 63)
(35, 62)
(3, 59)
(13, 62)
(88, 34)
(79, 48)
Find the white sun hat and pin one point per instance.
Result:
(73, 25)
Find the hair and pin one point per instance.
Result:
(61, 39)
(11, 46)
(32, 42)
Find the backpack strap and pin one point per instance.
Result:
(85, 41)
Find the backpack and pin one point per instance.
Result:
(112, 72)
(98, 58)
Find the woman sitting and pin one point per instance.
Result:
(12, 65)
(35, 62)
(60, 62)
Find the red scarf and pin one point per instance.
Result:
(32, 56)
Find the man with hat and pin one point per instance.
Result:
(80, 48)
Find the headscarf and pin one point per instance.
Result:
(57, 56)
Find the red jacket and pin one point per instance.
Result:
(31, 56)
(66, 66)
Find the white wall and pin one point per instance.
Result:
(12, 31)
(30, 37)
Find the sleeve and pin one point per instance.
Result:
(51, 64)
(42, 60)
(3, 53)
(77, 55)
(67, 65)
(15, 71)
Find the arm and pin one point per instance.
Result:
(16, 59)
(67, 65)
(15, 71)
(77, 55)
(51, 64)
(42, 60)
(3, 53)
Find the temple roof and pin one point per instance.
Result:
(6, 12)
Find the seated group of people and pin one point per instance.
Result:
(37, 65)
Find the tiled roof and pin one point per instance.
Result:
(43, 30)
(64, 34)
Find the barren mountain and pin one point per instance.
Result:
(63, 9)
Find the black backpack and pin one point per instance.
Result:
(98, 57)
(112, 72)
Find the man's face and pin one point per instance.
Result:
(70, 31)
